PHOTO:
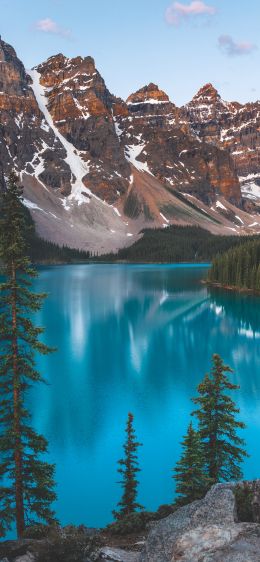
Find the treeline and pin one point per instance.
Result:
(176, 244)
(239, 267)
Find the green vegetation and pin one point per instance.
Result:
(128, 468)
(239, 267)
(191, 477)
(223, 448)
(176, 244)
(215, 452)
(26, 480)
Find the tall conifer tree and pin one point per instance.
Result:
(192, 482)
(128, 468)
(26, 479)
(218, 426)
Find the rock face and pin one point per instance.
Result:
(230, 126)
(91, 162)
(158, 141)
(26, 141)
(204, 531)
(81, 108)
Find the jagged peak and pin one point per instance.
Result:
(59, 62)
(208, 91)
(148, 94)
(7, 52)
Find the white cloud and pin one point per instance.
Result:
(178, 12)
(47, 25)
(232, 48)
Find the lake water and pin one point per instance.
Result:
(139, 339)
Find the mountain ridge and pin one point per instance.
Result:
(97, 169)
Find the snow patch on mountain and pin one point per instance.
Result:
(132, 152)
(78, 167)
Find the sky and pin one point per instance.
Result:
(178, 45)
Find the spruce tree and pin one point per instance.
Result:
(128, 469)
(223, 448)
(192, 482)
(26, 479)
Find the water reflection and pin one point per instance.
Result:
(134, 338)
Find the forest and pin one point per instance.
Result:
(239, 267)
(176, 244)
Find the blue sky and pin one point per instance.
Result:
(178, 45)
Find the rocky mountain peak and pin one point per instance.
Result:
(13, 78)
(148, 94)
(7, 53)
(207, 93)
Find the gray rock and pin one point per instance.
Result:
(118, 555)
(28, 557)
(204, 531)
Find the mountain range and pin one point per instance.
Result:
(97, 169)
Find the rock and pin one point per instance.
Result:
(81, 107)
(62, 129)
(16, 551)
(28, 557)
(25, 137)
(229, 125)
(158, 139)
(204, 531)
(118, 555)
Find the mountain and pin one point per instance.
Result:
(97, 169)
(230, 126)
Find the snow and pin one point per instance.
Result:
(117, 211)
(129, 234)
(220, 206)
(253, 224)
(251, 190)
(164, 218)
(132, 152)
(78, 167)
(118, 129)
(31, 205)
(151, 101)
(239, 219)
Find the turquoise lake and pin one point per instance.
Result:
(139, 339)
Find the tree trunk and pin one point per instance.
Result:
(19, 502)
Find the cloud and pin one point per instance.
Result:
(232, 48)
(178, 12)
(47, 25)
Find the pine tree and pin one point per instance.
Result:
(224, 449)
(192, 482)
(26, 479)
(128, 468)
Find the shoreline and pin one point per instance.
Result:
(120, 262)
(232, 288)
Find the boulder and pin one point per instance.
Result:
(118, 555)
(205, 531)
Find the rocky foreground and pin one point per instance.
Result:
(223, 527)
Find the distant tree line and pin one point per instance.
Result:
(239, 267)
(176, 244)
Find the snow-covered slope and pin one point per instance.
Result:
(79, 168)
